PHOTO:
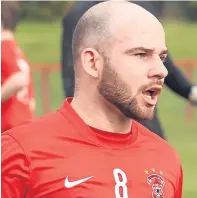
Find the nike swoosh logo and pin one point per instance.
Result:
(70, 184)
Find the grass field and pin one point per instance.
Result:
(41, 43)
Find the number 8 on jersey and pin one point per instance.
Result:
(121, 181)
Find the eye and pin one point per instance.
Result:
(141, 55)
(163, 58)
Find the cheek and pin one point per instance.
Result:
(132, 72)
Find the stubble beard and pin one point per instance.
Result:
(117, 93)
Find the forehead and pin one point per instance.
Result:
(141, 34)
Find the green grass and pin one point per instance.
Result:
(41, 43)
(181, 39)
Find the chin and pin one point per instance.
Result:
(143, 114)
(148, 116)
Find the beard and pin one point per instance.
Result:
(118, 93)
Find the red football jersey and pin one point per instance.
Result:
(58, 155)
(16, 109)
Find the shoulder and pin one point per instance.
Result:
(39, 137)
(39, 130)
(156, 142)
(149, 135)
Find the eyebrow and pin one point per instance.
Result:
(164, 52)
(133, 50)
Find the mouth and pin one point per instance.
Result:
(151, 94)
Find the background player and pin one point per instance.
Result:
(17, 96)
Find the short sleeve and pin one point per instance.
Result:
(12, 59)
(15, 169)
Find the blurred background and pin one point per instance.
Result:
(39, 36)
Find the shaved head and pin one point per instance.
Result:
(118, 51)
(92, 31)
(97, 27)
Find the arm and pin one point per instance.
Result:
(176, 81)
(15, 169)
(15, 71)
(13, 84)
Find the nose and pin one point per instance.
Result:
(158, 70)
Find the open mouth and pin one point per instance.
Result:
(153, 92)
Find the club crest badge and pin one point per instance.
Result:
(156, 182)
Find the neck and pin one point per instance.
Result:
(98, 113)
(7, 35)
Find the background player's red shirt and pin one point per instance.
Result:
(16, 109)
(58, 155)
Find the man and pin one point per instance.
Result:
(175, 80)
(123, 68)
(16, 85)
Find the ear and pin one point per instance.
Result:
(91, 63)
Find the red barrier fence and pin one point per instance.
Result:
(45, 70)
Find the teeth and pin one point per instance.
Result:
(148, 96)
